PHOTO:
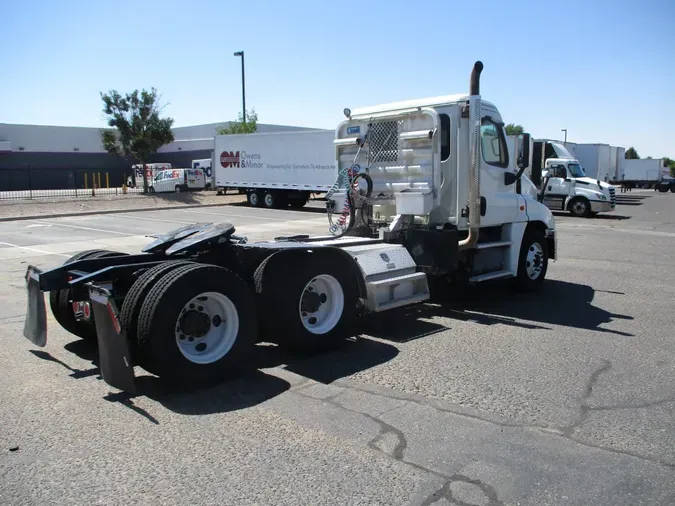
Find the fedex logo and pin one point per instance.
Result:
(229, 159)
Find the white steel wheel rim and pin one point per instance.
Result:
(324, 301)
(223, 328)
(269, 200)
(534, 262)
(254, 198)
(579, 207)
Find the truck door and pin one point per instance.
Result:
(501, 200)
(557, 189)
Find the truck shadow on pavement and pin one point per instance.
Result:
(623, 199)
(559, 303)
(608, 217)
(251, 388)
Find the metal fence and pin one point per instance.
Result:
(28, 183)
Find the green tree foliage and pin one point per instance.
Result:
(240, 126)
(631, 154)
(138, 129)
(670, 163)
(512, 129)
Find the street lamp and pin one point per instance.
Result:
(243, 88)
(564, 130)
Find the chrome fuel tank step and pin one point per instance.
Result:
(390, 274)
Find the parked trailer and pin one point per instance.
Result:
(644, 173)
(595, 159)
(190, 307)
(276, 169)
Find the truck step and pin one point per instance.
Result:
(397, 291)
(490, 275)
(495, 244)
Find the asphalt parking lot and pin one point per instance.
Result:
(562, 397)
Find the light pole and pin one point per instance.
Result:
(564, 130)
(243, 85)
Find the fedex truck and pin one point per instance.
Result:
(276, 169)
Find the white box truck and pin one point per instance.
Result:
(276, 169)
(191, 306)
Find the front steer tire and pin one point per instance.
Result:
(163, 310)
(533, 244)
(60, 300)
(282, 285)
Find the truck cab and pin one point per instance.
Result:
(566, 188)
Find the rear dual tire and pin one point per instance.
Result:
(317, 308)
(196, 323)
(60, 301)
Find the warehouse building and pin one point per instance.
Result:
(57, 157)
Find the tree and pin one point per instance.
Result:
(670, 163)
(140, 131)
(512, 129)
(240, 126)
(631, 154)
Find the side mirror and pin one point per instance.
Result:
(523, 160)
(524, 151)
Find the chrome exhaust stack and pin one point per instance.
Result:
(474, 142)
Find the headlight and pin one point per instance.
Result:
(602, 197)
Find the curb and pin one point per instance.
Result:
(109, 211)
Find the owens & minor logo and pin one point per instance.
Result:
(229, 159)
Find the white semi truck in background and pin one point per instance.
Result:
(562, 182)
(440, 205)
(276, 169)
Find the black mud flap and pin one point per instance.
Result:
(35, 325)
(117, 369)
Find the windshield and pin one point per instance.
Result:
(575, 170)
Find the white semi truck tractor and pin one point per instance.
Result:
(427, 193)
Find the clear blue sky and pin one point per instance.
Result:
(605, 70)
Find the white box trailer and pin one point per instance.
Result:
(620, 164)
(645, 172)
(595, 160)
(276, 169)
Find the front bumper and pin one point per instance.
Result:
(598, 206)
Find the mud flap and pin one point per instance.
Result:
(117, 369)
(35, 325)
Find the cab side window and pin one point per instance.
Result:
(493, 144)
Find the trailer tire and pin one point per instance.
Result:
(191, 298)
(532, 261)
(579, 207)
(131, 306)
(329, 315)
(59, 300)
(254, 199)
(271, 200)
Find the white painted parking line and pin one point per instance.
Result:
(82, 228)
(225, 216)
(34, 250)
(136, 217)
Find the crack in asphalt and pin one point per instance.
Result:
(584, 408)
(445, 492)
(398, 454)
(564, 432)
